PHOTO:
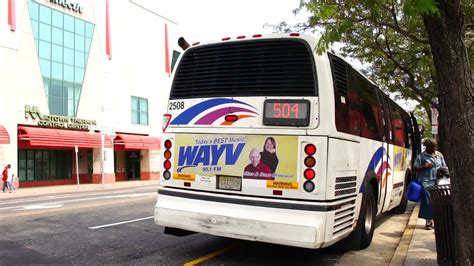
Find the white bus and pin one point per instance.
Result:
(266, 140)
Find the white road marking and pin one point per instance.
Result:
(62, 202)
(39, 207)
(119, 223)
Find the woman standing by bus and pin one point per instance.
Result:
(429, 165)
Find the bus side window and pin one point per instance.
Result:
(398, 126)
(342, 103)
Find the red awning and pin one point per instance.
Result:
(60, 138)
(4, 137)
(136, 142)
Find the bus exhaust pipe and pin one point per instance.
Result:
(183, 43)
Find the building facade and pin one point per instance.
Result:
(83, 88)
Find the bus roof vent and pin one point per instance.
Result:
(339, 73)
(262, 67)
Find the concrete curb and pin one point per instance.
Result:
(402, 250)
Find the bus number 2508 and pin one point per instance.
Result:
(176, 105)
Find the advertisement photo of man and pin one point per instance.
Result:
(257, 169)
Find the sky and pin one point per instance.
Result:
(204, 20)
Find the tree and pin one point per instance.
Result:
(423, 50)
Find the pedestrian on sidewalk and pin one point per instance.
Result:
(429, 165)
(7, 178)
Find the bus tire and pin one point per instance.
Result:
(364, 232)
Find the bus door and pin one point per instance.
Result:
(383, 170)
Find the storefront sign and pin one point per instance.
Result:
(57, 121)
(71, 6)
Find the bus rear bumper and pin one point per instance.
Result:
(272, 225)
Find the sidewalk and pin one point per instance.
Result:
(417, 246)
(59, 189)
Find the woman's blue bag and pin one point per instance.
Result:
(414, 191)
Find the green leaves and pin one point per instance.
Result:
(420, 7)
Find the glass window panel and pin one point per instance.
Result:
(45, 32)
(144, 105)
(57, 53)
(68, 73)
(79, 43)
(70, 91)
(68, 56)
(77, 91)
(46, 82)
(134, 117)
(76, 104)
(22, 164)
(21, 154)
(70, 108)
(89, 30)
(44, 50)
(64, 107)
(56, 107)
(45, 14)
(57, 71)
(79, 59)
(88, 45)
(30, 155)
(57, 19)
(22, 175)
(34, 10)
(30, 174)
(80, 26)
(45, 68)
(38, 170)
(78, 75)
(144, 118)
(45, 155)
(68, 39)
(34, 28)
(57, 36)
(46, 169)
(134, 103)
(56, 89)
(69, 23)
(38, 155)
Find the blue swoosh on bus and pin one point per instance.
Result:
(381, 167)
(185, 117)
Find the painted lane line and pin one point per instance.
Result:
(210, 256)
(119, 223)
(39, 207)
(134, 195)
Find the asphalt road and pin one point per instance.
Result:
(118, 228)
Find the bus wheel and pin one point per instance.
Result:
(362, 236)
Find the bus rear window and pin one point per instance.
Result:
(283, 67)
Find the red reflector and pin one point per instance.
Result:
(167, 164)
(309, 174)
(257, 36)
(196, 43)
(294, 34)
(166, 121)
(226, 38)
(231, 118)
(277, 192)
(241, 37)
(310, 149)
(168, 144)
(187, 184)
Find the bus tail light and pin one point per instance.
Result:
(309, 174)
(310, 149)
(309, 161)
(166, 121)
(308, 186)
(167, 156)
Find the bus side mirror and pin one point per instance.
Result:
(183, 43)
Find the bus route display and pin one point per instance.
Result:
(286, 112)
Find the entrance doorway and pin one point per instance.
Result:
(132, 164)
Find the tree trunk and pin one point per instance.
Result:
(456, 117)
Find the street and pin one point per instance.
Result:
(117, 227)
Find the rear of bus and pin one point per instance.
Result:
(245, 154)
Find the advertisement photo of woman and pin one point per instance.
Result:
(268, 155)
